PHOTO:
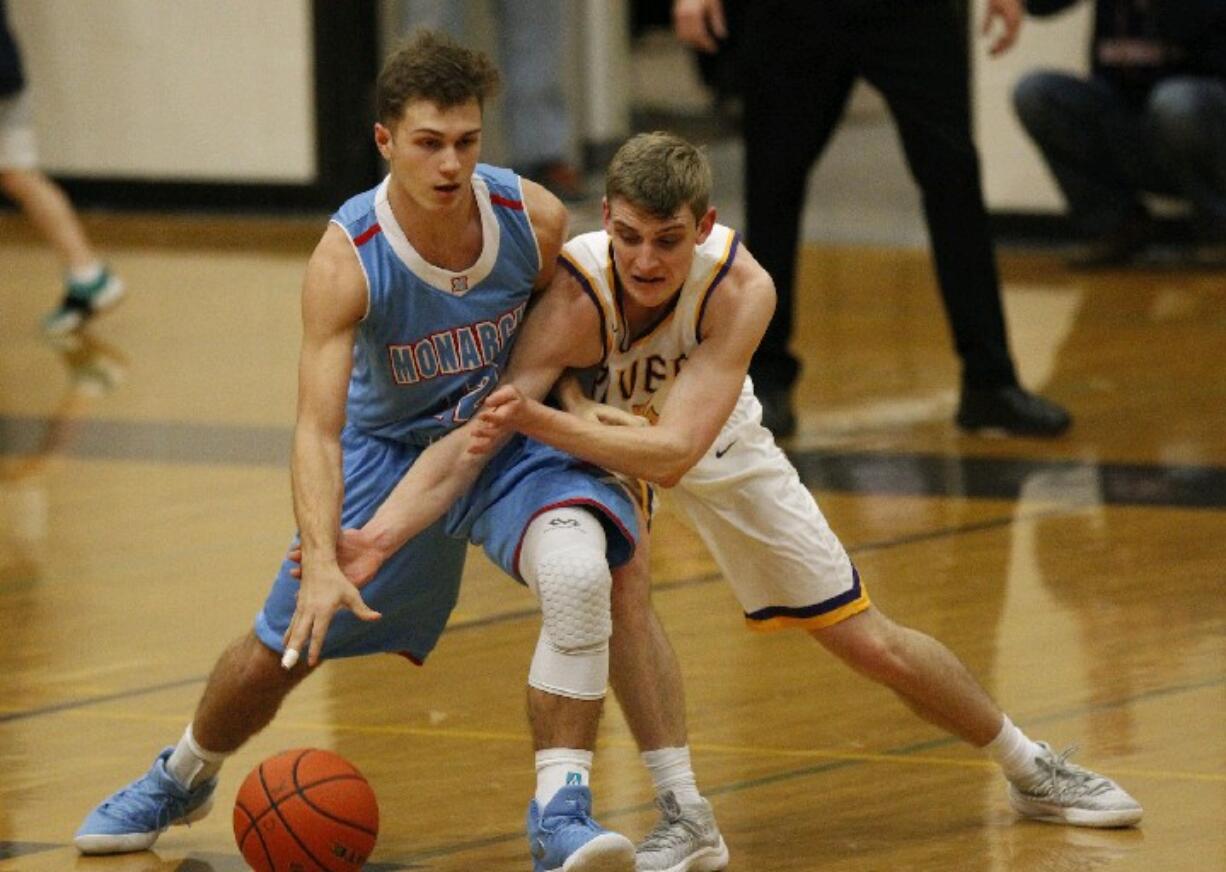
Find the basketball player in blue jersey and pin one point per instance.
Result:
(410, 304)
(668, 306)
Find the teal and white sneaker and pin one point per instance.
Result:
(133, 818)
(686, 839)
(565, 838)
(83, 301)
(1069, 794)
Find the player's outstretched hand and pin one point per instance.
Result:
(499, 414)
(324, 591)
(356, 553)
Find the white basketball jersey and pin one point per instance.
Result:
(743, 497)
(637, 372)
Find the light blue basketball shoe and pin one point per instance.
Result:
(564, 838)
(133, 818)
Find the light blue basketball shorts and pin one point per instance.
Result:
(416, 589)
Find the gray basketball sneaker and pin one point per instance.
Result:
(1069, 794)
(686, 839)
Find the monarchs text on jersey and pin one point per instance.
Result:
(434, 341)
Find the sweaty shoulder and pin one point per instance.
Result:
(549, 222)
(357, 214)
(577, 313)
(750, 279)
(745, 295)
(335, 283)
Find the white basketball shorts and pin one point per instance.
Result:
(765, 530)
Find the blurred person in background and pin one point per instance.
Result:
(89, 287)
(799, 60)
(1150, 118)
(535, 116)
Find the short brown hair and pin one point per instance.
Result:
(430, 66)
(660, 172)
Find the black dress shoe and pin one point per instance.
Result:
(1013, 410)
(777, 414)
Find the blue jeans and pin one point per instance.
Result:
(1105, 151)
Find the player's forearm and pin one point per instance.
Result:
(318, 491)
(653, 454)
(569, 392)
(440, 476)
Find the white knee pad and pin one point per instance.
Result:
(563, 560)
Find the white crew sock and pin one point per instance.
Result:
(189, 764)
(559, 767)
(1015, 753)
(671, 770)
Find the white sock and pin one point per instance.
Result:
(560, 767)
(189, 764)
(671, 770)
(85, 275)
(1014, 753)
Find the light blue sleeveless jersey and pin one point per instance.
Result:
(431, 346)
(434, 342)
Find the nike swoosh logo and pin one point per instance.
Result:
(720, 452)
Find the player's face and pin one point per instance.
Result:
(652, 255)
(432, 152)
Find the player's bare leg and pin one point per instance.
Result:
(646, 677)
(643, 667)
(244, 691)
(923, 672)
(940, 689)
(562, 722)
(563, 557)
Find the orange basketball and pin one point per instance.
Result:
(305, 810)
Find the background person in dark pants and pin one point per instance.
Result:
(801, 59)
(1151, 117)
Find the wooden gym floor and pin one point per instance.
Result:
(144, 506)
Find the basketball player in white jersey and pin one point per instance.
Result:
(668, 307)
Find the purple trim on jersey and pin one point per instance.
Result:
(719, 277)
(591, 293)
(812, 611)
(562, 504)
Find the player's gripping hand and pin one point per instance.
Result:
(357, 554)
(603, 413)
(324, 590)
(500, 414)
